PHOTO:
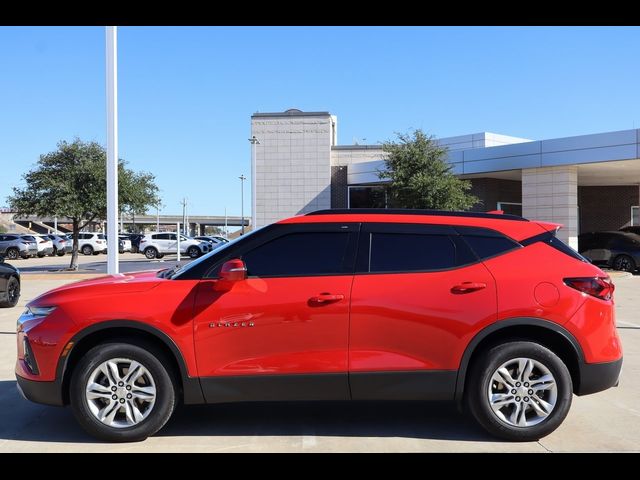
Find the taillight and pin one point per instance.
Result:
(42, 241)
(599, 287)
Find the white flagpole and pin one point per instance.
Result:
(112, 149)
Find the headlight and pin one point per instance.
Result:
(33, 313)
(38, 311)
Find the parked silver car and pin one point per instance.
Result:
(14, 246)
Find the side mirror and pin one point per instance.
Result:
(232, 271)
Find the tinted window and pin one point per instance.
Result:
(405, 252)
(29, 238)
(622, 242)
(161, 236)
(317, 253)
(486, 247)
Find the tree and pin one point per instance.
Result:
(71, 182)
(421, 177)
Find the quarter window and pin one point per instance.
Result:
(486, 247)
(300, 254)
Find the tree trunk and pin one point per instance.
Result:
(74, 251)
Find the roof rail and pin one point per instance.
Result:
(409, 211)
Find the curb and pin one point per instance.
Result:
(60, 276)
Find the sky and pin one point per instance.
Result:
(186, 94)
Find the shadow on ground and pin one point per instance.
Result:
(22, 420)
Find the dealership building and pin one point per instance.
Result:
(587, 182)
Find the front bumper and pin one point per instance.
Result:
(48, 393)
(596, 377)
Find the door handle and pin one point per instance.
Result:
(326, 298)
(467, 287)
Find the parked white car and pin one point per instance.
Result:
(157, 245)
(44, 244)
(90, 243)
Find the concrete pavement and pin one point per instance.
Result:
(608, 421)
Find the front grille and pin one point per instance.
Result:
(29, 358)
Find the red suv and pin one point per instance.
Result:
(491, 311)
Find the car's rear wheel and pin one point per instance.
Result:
(193, 252)
(624, 263)
(13, 293)
(519, 391)
(12, 253)
(122, 392)
(61, 252)
(87, 250)
(150, 253)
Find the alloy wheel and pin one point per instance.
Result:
(120, 392)
(522, 392)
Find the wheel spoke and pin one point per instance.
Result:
(540, 406)
(499, 400)
(505, 377)
(526, 374)
(133, 413)
(144, 393)
(135, 371)
(108, 413)
(95, 390)
(543, 383)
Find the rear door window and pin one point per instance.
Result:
(405, 252)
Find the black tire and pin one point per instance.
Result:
(13, 253)
(54, 252)
(61, 253)
(160, 255)
(87, 250)
(153, 361)
(40, 255)
(13, 293)
(193, 252)
(624, 263)
(151, 252)
(478, 381)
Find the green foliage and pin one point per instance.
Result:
(3, 229)
(72, 182)
(420, 176)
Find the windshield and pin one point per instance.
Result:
(218, 251)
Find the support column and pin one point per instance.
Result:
(550, 194)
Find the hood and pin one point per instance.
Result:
(110, 284)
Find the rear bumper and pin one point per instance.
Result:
(48, 393)
(596, 377)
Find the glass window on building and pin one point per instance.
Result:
(374, 196)
(510, 208)
(635, 215)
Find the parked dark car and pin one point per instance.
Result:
(135, 241)
(618, 250)
(9, 284)
(631, 229)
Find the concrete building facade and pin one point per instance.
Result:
(586, 182)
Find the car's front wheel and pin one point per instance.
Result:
(122, 392)
(519, 391)
(13, 293)
(193, 252)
